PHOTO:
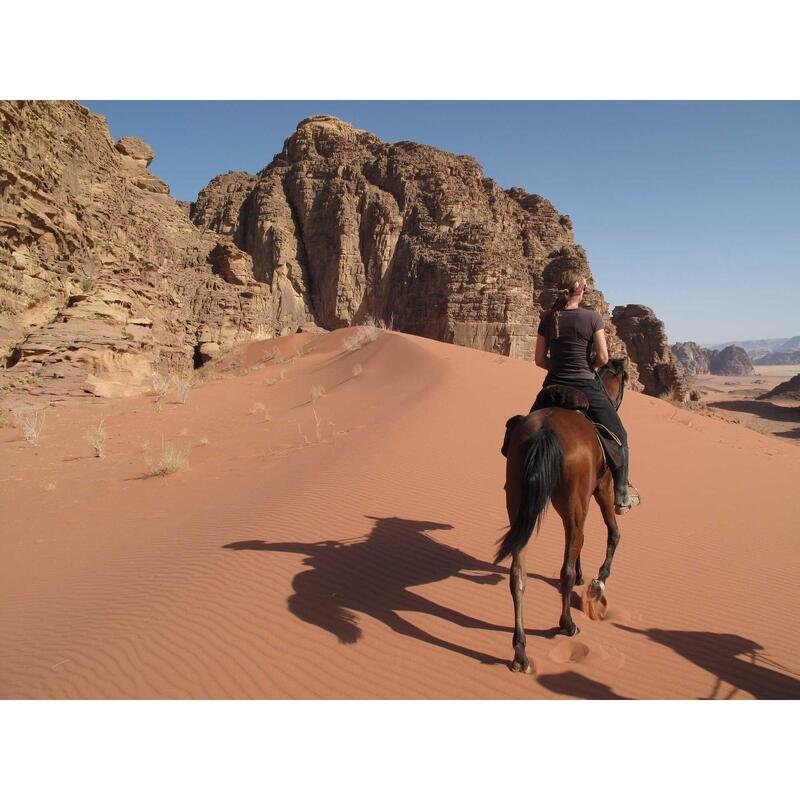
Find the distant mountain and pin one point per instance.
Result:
(760, 347)
(780, 357)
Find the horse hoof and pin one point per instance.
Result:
(521, 666)
(574, 630)
(593, 602)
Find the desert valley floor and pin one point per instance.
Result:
(340, 545)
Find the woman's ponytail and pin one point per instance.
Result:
(555, 310)
(571, 283)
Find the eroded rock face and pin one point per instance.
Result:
(103, 277)
(731, 360)
(646, 340)
(353, 226)
(693, 358)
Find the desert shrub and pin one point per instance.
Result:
(357, 370)
(171, 459)
(182, 382)
(87, 284)
(204, 440)
(360, 338)
(30, 422)
(161, 384)
(257, 408)
(97, 439)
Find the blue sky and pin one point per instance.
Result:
(691, 208)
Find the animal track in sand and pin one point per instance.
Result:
(568, 652)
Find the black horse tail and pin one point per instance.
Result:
(544, 464)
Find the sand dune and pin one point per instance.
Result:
(342, 548)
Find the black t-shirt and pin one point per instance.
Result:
(569, 353)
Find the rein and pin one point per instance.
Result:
(618, 402)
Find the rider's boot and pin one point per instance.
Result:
(624, 498)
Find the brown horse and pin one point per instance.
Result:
(553, 455)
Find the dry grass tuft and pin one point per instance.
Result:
(171, 459)
(357, 370)
(277, 378)
(317, 391)
(381, 324)
(204, 440)
(97, 439)
(30, 422)
(360, 338)
(182, 382)
(257, 408)
(51, 487)
(161, 384)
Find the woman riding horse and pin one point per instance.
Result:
(570, 332)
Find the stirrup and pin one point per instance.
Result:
(634, 499)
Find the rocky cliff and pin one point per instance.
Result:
(646, 340)
(402, 232)
(693, 358)
(731, 360)
(103, 277)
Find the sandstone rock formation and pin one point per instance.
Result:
(358, 227)
(693, 358)
(696, 360)
(646, 340)
(103, 278)
(788, 390)
(731, 360)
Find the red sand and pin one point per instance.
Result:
(352, 559)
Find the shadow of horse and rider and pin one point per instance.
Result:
(373, 575)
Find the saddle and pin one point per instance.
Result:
(567, 397)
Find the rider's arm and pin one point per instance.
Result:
(540, 357)
(600, 349)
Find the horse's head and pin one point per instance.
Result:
(614, 376)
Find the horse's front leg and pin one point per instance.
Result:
(605, 499)
(595, 604)
(518, 578)
(578, 572)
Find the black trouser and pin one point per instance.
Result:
(600, 408)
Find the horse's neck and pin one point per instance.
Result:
(614, 397)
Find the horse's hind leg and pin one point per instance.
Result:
(573, 529)
(578, 572)
(518, 578)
